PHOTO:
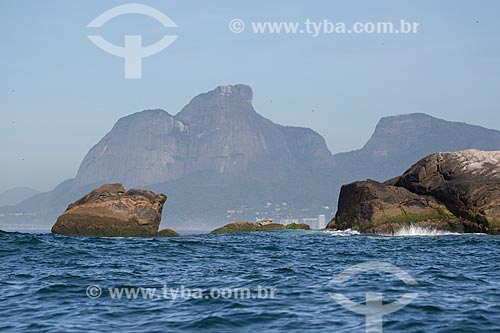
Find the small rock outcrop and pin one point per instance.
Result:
(167, 233)
(110, 211)
(239, 226)
(249, 227)
(457, 191)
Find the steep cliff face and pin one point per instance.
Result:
(141, 149)
(228, 137)
(218, 133)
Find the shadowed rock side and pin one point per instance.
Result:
(373, 207)
(457, 191)
(110, 211)
(259, 226)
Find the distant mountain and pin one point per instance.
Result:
(400, 141)
(15, 195)
(218, 161)
(218, 134)
(216, 155)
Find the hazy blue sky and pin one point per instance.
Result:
(60, 94)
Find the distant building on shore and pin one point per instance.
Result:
(311, 221)
(321, 221)
(316, 223)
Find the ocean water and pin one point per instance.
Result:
(51, 283)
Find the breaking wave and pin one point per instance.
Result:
(413, 230)
(347, 232)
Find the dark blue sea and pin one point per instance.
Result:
(255, 282)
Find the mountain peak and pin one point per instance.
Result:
(217, 132)
(405, 119)
(399, 141)
(242, 90)
(215, 108)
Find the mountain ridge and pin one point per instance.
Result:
(218, 131)
(16, 195)
(218, 155)
(401, 140)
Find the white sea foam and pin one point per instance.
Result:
(413, 230)
(347, 232)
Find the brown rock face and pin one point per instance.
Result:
(457, 191)
(370, 206)
(467, 182)
(110, 211)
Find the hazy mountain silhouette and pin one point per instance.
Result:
(218, 134)
(400, 141)
(218, 155)
(16, 195)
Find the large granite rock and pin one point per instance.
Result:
(467, 182)
(110, 211)
(457, 191)
(373, 207)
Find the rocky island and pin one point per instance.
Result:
(449, 191)
(258, 226)
(110, 211)
(452, 191)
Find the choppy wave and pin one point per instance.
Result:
(44, 280)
